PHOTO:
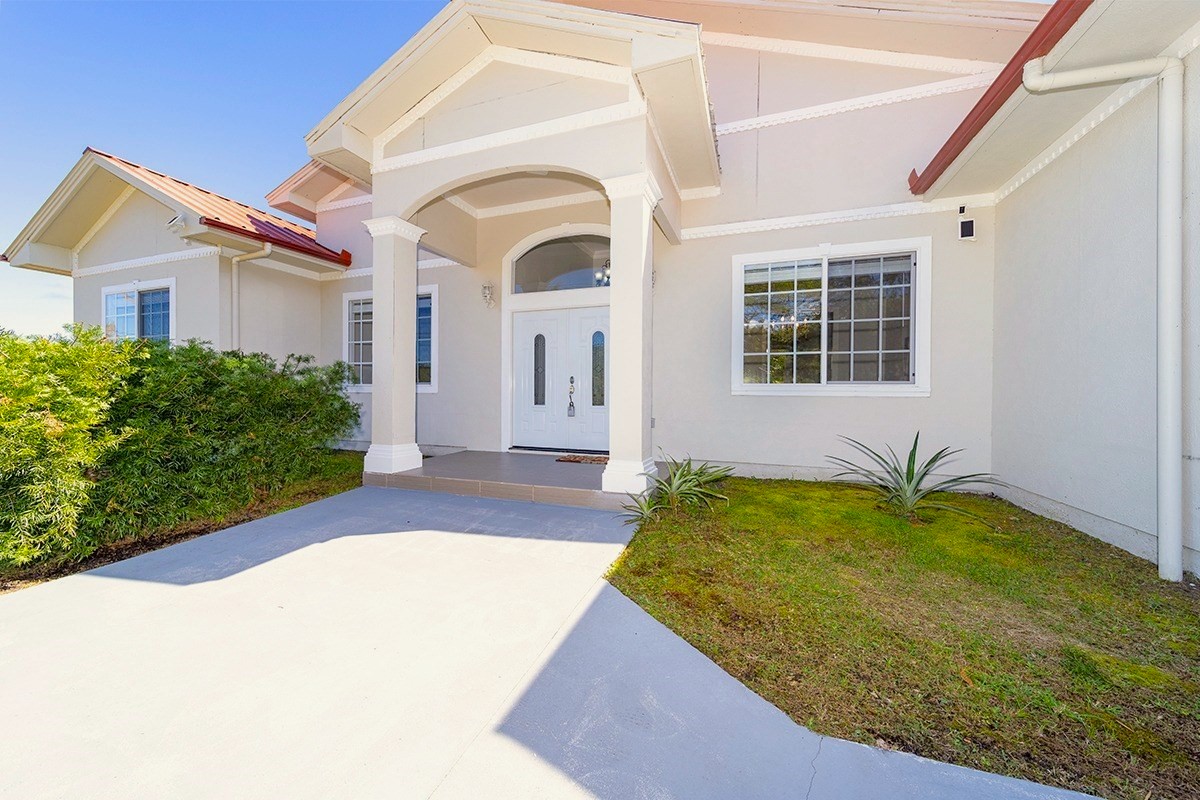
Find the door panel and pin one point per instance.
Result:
(561, 368)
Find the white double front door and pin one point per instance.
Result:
(561, 379)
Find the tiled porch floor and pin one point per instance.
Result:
(536, 477)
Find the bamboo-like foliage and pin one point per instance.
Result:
(907, 486)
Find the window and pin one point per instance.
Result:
(598, 368)
(140, 310)
(358, 351)
(358, 355)
(572, 262)
(834, 320)
(539, 370)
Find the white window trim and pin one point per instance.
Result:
(432, 386)
(347, 299)
(921, 320)
(142, 286)
(422, 388)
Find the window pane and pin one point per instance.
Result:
(840, 273)
(839, 367)
(866, 272)
(120, 315)
(782, 338)
(539, 370)
(755, 339)
(755, 308)
(839, 337)
(896, 301)
(756, 279)
(783, 307)
(865, 367)
(781, 369)
(154, 314)
(896, 333)
(839, 305)
(754, 369)
(808, 369)
(783, 278)
(808, 306)
(572, 262)
(895, 367)
(897, 270)
(808, 337)
(866, 336)
(597, 368)
(425, 339)
(866, 304)
(808, 275)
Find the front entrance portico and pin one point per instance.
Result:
(573, 118)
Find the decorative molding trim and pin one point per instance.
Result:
(541, 205)
(393, 226)
(147, 261)
(887, 58)
(350, 202)
(100, 223)
(525, 133)
(834, 217)
(461, 205)
(357, 272)
(434, 263)
(639, 184)
(919, 92)
(700, 193)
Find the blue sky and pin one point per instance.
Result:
(219, 94)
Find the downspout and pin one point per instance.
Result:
(1169, 72)
(235, 311)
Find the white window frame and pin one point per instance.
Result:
(347, 299)
(921, 315)
(142, 286)
(432, 386)
(423, 388)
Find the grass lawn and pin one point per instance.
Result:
(339, 471)
(1029, 649)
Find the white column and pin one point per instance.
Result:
(394, 346)
(630, 441)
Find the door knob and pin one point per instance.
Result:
(571, 398)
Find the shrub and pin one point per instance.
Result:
(102, 441)
(55, 395)
(905, 487)
(210, 431)
(685, 484)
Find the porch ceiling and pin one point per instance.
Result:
(659, 61)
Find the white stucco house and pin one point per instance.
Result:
(731, 229)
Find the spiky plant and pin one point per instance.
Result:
(906, 486)
(684, 484)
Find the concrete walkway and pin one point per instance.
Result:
(396, 644)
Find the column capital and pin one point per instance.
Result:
(639, 183)
(393, 226)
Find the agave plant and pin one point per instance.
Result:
(906, 486)
(684, 484)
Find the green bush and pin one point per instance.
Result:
(54, 400)
(209, 432)
(103, 441)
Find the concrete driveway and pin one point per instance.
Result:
(396, 644)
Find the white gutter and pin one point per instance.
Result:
(1169, 72)
(235, 311)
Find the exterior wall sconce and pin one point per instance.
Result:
(488, 292)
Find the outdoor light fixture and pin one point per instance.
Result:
(604, 274)
(488, 292)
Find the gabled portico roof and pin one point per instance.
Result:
(660, 59)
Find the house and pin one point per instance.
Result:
(727, 228)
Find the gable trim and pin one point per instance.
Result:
(862, 55)
(146, 261)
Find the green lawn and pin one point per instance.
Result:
(1029, 649)
(337, 471)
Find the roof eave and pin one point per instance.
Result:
(1059, 19)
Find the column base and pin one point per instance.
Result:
(389, 458)
(628, 477)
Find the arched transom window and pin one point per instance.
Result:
(572, 262)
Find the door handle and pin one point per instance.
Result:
(571, 398)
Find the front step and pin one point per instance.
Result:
(469, 487)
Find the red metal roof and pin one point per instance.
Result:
(228, 215)
(1058, 20)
